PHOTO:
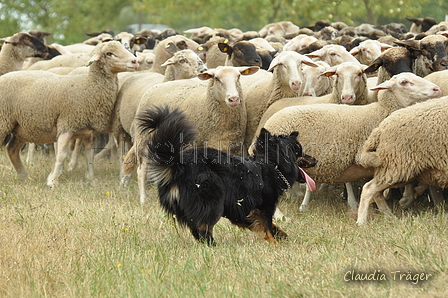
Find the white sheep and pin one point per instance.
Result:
(217, 109)
(162, 54)
(315, 83)
(368, 50)
(72, 61)
(145, 59)
(17, 48)
(299, 42)
(333, 133)
(42, 107)
(261, 92)
(408, 145)
(332, 54)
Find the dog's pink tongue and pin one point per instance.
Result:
(309, 181)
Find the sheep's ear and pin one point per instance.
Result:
(385, 46)
(12, 39)
(274, 63)
(410, 44)
(141, 40)
(444, 33)
(171, 48)
(329, 72)
(225, 48)
(384, 85)
(374, 66)
(94, 58)
(354, 51)
(364, 67)
(248, 70)
(206, 74)
(168, 62)
(309, 62)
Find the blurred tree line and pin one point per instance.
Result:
(69, 20)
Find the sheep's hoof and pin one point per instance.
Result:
(125, 181)
(405, 203)
(304, 208)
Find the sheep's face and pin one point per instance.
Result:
(409, 88)
(351, 82)
(126, 39)
(30, 46)
(315, 83)
(226, 83)
(186, 64)
(288, 66)
(243, 53)
(435, 49)
(115, 58)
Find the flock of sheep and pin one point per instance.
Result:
(366, 100)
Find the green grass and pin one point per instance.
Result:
(94, 239)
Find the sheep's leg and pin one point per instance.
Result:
(306, 201)
(30, 155)
(351, 199)
(408, 196)
(13, 148)
(370, 190)
(89, 157)
(141, 178)
(278, 215)
(436, 195)
(111, 143)
(63, 145)
(128, 166)
(75, 155)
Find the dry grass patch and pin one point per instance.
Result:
(93, 239)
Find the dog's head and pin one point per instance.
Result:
(277, 148)
(284, 148)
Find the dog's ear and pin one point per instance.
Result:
(265, 133)
(294, 134)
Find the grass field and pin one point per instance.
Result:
(94, 239)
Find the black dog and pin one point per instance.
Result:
(201, 185)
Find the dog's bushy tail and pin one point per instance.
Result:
(167, 133)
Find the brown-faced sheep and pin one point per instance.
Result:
(17, 48)
(60, 108)
(408, 145)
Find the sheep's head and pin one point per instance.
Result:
(288, 65)
(315, 83)
(409, 88)
(351, 82)
(114, 57)
(30, 45)
(186, 64)
(395, 60)
(242, 53)
(226, 82)
(434, 50)
(333, 55)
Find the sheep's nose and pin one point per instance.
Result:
(437, 91)
(295, 85)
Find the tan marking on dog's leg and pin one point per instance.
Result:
(260, 226)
